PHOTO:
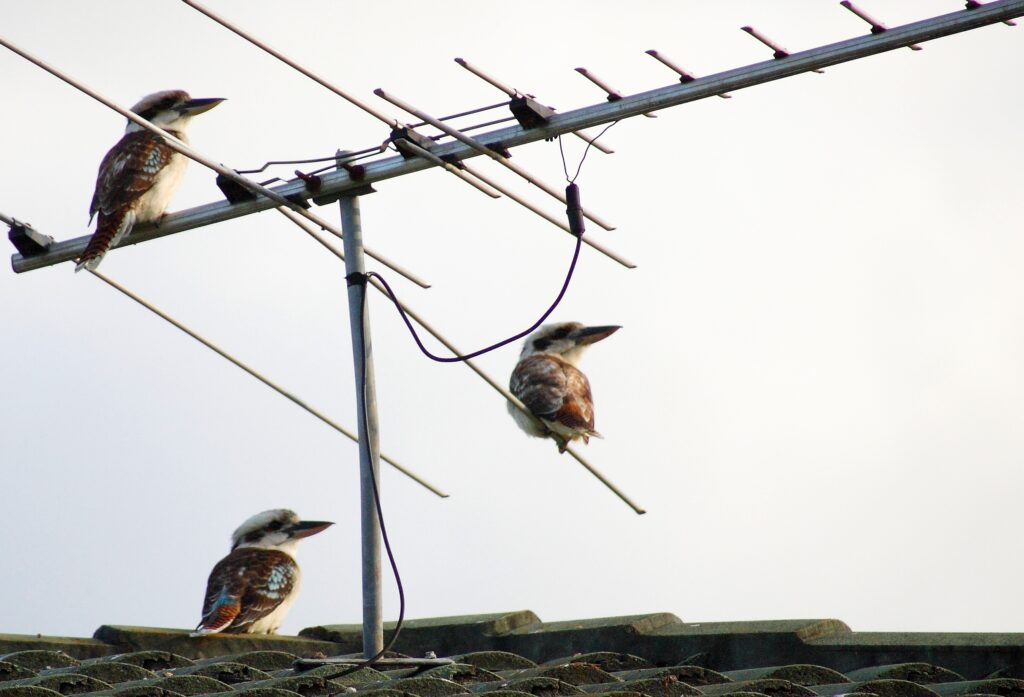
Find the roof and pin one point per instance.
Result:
(515, 654)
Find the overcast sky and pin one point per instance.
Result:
(817, 394)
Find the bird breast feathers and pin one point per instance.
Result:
(130, 169)
(546, 384)
(250, 584)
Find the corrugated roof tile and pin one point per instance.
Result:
(13, 671)
(921, 673)
(27, 691)
(572, 673)
(801, 674)
(691, 675)
(608, 661)
(772, 687)
(37, 660)
(494, 660)
(882, 688)
(65, 683)
(669, 686)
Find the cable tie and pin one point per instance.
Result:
(356, 279)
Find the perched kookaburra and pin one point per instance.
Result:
(140, 174)
(548, 382)
(251, 589)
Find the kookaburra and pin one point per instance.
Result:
(140, 174)
(548, 382)
(251, 589)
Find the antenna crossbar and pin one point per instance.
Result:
(586, 117)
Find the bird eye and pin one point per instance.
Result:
(276, 525)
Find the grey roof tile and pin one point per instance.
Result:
(110, 672)
(921, 673)
(442, 635)
(462, 673)
(150, 660)
(178, 641)
(691, 675)
(40, 659)
(425, 687)
(801, 674)
(1006, 687)
(228, 672)
(773, 687)
(258, 692)
(343, 675)
(496, 656)
(266, 661)
(494, 660)
(65, 683)
(537, 686)
(882, 688)
(27, 691)
(305, 685)
(187, 685)
(608, 661)
(13, 671)
(74, 646)
(572, 673)
(384, 692)
(668, 686)
(138, 689)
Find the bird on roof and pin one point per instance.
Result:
(251, 589)
(548, 382)
(140, 174)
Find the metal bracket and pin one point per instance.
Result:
(407, 133)
(233, 191)
(974, 4)
(27, 240)
(529, 112)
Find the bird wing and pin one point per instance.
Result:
(554, 389)
(129, 170)
(244, 587)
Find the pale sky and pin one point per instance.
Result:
(817, 392)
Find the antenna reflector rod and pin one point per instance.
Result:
(684, 75)
(974, 4)
(876, 26)
(521, 102)
(511, 92)
(488, 149)
(779, 52)
(612, 95)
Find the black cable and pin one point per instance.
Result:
(380, 511)
(582, 159)
(368, 663)
(474, 354)
(575, 213)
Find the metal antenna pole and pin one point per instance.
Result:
(366, 415)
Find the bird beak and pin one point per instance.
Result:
(591, 335)
(198, 106)
(305, 528)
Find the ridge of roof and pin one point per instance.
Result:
(659, 639)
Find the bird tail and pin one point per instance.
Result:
(110, 230)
